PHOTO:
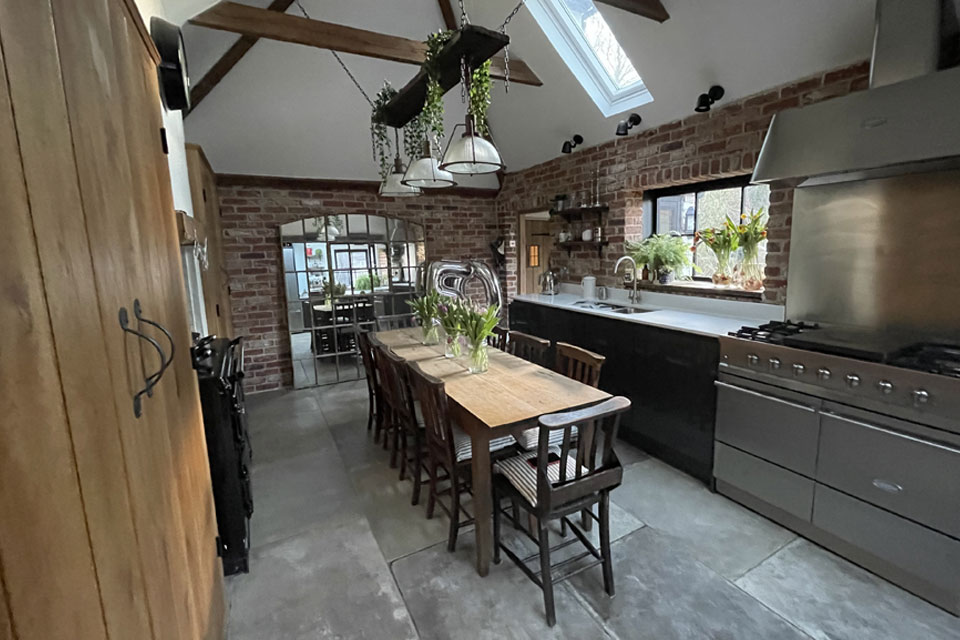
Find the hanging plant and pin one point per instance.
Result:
(480, 97)
(378, 131)
(413, 135)
(432, 115)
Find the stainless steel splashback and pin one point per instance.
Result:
(879, 254)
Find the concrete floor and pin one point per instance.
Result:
(338, 552)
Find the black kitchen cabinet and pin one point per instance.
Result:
(667, 374)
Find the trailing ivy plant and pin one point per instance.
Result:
(379, 138)
(480, 97)
(432, 115)
(413, 134)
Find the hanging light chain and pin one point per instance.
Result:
(506, 49)
(340, 60)
(464, 18)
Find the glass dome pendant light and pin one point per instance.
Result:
(392, 187)
(425, 173)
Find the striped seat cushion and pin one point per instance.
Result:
(463, 448)
(530, 438)
(523, 474)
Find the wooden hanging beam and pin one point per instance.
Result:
(262, 23)
(449, 19)
(228, 61)
(652, 9)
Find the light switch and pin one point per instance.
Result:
(512, 244)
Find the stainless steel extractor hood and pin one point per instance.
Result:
(908, 121)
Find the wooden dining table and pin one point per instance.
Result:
(504, 400)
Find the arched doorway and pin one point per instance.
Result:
(342, 272)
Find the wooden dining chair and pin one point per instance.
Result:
(449, 451)
(579, 364)
(551, 484)
(409, 442)
(383, 424)
(373, 382)
(530, 348)
(498, 338)
(390, 323)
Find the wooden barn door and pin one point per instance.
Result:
(115, 534)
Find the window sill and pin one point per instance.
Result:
(702, 289)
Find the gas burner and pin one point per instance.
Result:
(942, 359)
(774, 332)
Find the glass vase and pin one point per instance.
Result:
(753, 269)
(452, 345)
(724, 274)
(479, 359)
(431, 333)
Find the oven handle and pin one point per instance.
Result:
(795, 405)
(887, 431)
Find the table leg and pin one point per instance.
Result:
(482, 502)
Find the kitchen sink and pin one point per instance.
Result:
(606, 306)
(630, 310)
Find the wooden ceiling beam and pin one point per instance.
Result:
(228, 61)
(449, 19)
(262, 23)
(652, 9)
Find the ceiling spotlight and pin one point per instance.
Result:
(568, 145)
(624, 126)
(707, 99)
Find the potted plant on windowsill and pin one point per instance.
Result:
(723, 242)
(664, 254)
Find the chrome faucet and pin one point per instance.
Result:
(634, 297)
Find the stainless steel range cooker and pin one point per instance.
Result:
(860, 454)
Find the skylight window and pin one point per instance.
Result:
(586, 44)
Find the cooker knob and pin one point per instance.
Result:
(775, 363)
(823, 374)
(920, 397)
(798, 369)
(885, 386)
(753, 359)
(853, 380)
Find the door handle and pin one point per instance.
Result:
(151, 380)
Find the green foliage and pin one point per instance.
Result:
(752, 231)
(332, 292)
(478, 323)
(663, 253)
(432, 115)
(723, 241)
(425, 308)
(451, 313)
(379, 138)
(413, 135)
(480, 85)
(366, 282)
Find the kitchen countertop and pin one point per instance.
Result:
(705, 324)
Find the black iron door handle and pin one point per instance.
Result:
(148, 382)
(138, 312)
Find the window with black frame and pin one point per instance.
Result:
(341, 273)
(695, 207)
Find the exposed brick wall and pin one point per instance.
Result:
(457, 227)
(722, 143)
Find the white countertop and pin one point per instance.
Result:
(699, 322)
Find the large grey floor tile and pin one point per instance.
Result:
(832, 599)
(720, 533)
(293, 494)
(357, 447)
(262, 407)
(399, 527)
(322, 583)
(448, 600)
(664, 594)
(286, 436)
(628, 453)
(344, 403)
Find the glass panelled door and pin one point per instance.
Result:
(342, 272)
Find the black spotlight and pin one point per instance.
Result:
(707, 99)
(568, 145)
(624, 126)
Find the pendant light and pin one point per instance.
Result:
(392, 187)
(425, 173)
(470, 154)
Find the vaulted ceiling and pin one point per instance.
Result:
(290, 110)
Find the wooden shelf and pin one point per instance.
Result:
(570, 245)
(575, 213)
(477, 44)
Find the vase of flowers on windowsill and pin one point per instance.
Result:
(425, 310)
(478, 324)
(752, 232)
(723, 242)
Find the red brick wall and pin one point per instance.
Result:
(459, 227)
(704, 146)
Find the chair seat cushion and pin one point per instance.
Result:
(463, 448)
(529, 439)
(523, 474)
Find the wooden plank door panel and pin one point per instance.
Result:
(43, 540)
(47, 153)
(178, 389)
(6, 629)
(98, 113)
